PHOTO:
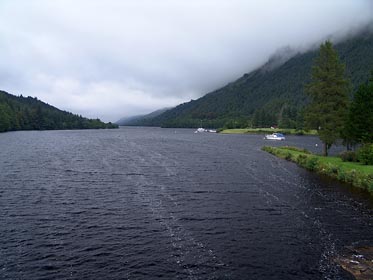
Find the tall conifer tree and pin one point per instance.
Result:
(360, 122)
(328, 92)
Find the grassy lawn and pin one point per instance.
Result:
(354, 173)
(268, 131)
(366, 169)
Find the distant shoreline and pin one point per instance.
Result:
(59, 129)
(268, 131)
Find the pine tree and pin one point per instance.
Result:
(360, 121)
(328, 92)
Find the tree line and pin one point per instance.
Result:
(28, 113)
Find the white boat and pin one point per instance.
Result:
(274, 136)
(200, 130)
(205, 130)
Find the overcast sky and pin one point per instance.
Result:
(109, 58)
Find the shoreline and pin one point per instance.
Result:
(355, 174)
(357, 261)
(285, 131)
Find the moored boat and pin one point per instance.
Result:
(200, 130)
(274, 136)
(205, 130)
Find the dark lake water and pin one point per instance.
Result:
(146, 203)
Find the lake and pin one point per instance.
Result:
(145, 203)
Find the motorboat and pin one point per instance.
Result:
(200, 130)
(205, 130)
(275, 136)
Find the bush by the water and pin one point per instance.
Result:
(296, 149)
(312, 163)
(365, 154)
(348, 156)
(288, 156)
(301, 160)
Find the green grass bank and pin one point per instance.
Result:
(356, 174)
(268, 131)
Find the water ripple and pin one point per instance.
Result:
(145, 203)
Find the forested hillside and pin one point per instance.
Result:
(27, 113)
(268, 96)
(136, 120)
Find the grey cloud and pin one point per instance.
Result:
(111, 59)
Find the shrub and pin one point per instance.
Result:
(268, 149)
(348, 156)
(329, 169)
(370, 186)
(312, 163)
(365, 154)
(341, 175)
(350, 176)
(291, 148)
(334, 169)
(301, 159)
(288, 156)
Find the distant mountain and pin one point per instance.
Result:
(271, 95)
(141, 119)
(28, 113)
(128, 120)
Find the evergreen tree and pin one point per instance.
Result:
(328, 92)
(360, 121)
(5, 117)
